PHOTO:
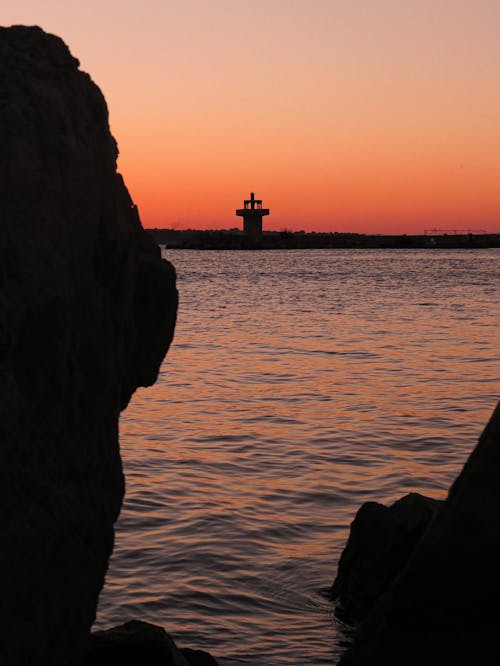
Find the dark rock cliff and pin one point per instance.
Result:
(442, 606)
(87, 312)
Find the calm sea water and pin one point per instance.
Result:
(299, 385)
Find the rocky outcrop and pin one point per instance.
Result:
(442, 607)
(87, 312)
(380, 543)
(140, 643)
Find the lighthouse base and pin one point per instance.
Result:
(252, 226)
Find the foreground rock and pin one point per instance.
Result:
(87, 312)
(380, 544)
(443, 606)
(140, 643)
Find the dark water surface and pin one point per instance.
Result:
(299, 385)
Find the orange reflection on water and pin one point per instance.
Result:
(299, 385)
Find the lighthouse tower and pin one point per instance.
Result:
(252, 214)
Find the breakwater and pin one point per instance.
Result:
(194, 239)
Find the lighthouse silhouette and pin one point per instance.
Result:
(252, 214)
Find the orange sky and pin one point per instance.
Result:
(342, 115)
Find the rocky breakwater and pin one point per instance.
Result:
(87, 312)
(432, 598)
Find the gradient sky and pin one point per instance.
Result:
(342, 115)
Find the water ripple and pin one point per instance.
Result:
(299, 385)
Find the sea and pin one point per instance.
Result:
(300, 384)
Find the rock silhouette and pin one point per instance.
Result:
(87, 312)
(380, 543)
(140, 643)
(441, 608)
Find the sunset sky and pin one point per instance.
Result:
(342, 115)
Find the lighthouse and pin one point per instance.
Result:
(252, 214)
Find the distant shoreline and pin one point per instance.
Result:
(192, 239)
